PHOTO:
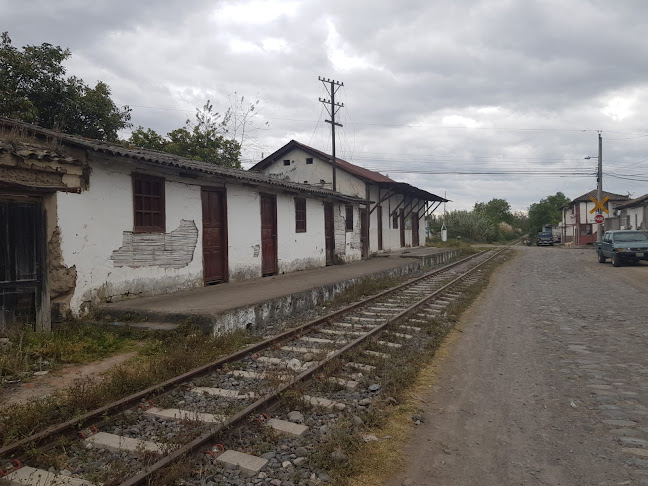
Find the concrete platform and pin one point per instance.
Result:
(252, 303)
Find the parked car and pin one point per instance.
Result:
(545, 238)
(623, 246)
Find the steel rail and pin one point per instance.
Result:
(89, 418)
(264, 402)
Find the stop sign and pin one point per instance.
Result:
(599, 219)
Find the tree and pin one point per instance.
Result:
(203, 140)
(496, 210)
(241, 122)
(34, 89)
(547, 211)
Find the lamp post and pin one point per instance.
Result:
(599, 186)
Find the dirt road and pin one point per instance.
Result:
(548, 383)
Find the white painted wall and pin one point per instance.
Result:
(244, 232)
(635, 218)
(300, 251)
(92, 225)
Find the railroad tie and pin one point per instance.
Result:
(119, 443)
(402, 335)
(287, 428)
(179, 414)
(255, 375)
(360, 366)
(389, 344)
(350, 385)
(322, 402)
(342, 333)
(32, 476)
(222, 392)
(410, 328)
(377, 354)
(247, 463)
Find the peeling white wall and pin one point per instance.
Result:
(92, 225)
(244, 232)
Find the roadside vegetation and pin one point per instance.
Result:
(491, 222)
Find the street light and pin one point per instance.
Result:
(599, 185)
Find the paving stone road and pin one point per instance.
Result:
(548, 382)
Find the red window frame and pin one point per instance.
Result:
(300, 215)
(149, 208)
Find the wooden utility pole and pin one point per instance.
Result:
(332, 107)
(599, 186)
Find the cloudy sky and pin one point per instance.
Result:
(473, 98)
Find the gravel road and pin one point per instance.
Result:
(548, 382)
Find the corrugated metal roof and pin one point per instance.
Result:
(164, 159)
(638, 201)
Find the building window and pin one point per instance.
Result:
(395, 220)
(349, 218)
(286, 162)
(309, 160)
(300, 215)
(148, 204)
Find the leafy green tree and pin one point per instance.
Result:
(34, 89)
(202, 140)
(496, 210)
(547, 211)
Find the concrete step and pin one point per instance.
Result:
(223, 392)
(247, 463)
(179, 414)
(287, 428)
(118, 443)
(32, 476)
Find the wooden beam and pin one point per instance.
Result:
(382, 199)
(413, 206)
(396, 208)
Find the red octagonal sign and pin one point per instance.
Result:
(599, 218)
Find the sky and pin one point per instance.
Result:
(475, 99)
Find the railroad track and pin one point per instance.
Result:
(204, 423)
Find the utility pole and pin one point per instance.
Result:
(599, 227)
(332, 107)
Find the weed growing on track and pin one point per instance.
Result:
(178, 351)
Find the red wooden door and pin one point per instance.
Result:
(364, 233)
(380, 222)
(329, 234)
(268, 235)
(401, 217)
(415, 229)
(214, 236)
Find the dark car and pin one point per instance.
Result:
(545, 238)
(623, 246)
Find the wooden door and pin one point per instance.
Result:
(364, 233)
(380, 227)
(329, 233)
(214, 210)
(268, 235)
(415, 229)
(22, 263)
(401, 222)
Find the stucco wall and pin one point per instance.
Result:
(92, 226)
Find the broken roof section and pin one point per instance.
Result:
(361, 172)
(166, 161)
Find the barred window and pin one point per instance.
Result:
(395, 220)
(300, 215)
(148, 204)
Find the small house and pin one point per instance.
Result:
(578, 223)
(633, 214)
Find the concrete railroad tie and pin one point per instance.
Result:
(118, 443)
(287, 428)
(222, 392)
(39, 477)
(179, 414)
(249, 464)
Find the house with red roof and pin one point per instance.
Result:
(393, 215)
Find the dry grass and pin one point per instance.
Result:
(174, 353)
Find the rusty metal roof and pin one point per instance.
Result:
(163, 159)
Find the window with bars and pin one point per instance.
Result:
(349, 218)
(148, 204)
(394, 220)
(300, 215)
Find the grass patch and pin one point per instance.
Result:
(27, 351)
(175, 352)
